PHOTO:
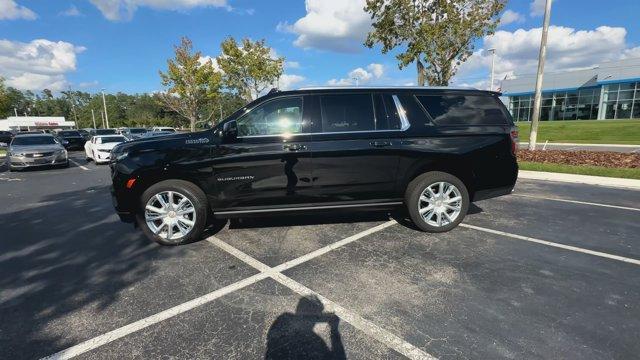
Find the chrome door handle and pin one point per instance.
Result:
(380, 143)
(293, 147)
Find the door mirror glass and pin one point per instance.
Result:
(230, 131)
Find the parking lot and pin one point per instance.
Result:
(552, 271)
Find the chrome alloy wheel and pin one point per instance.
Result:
(170, 215)
(440, 204)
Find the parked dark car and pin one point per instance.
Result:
(5, 138)
(431, 150)
(86, 134)
(104, 132)
(71, 139)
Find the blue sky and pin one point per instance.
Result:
(121, 44)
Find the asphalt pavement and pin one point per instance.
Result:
(538, 274)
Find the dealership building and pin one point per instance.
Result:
(26, 123)
(608, 91)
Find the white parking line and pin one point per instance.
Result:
(265, 271)
(118, 333)
(552, 244)
(385, 337)
(78, 165)
(578, 202)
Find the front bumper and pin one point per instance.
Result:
(22, 162)
(103, 156)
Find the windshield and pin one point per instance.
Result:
(137, 131)
(105, 131)
(69, 133)
(33, 140)
(111, 139)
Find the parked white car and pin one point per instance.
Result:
(99, 147)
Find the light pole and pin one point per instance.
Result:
(104, 103)
(535, 117)
(102, 116)
(93, 116)
(357, 81)
(493, 65)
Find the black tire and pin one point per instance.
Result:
(420, 184)
(193, 193)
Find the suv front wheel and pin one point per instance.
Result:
(437, 201)
(173, 212)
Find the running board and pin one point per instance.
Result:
(303, 208)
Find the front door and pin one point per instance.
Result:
(270, 162)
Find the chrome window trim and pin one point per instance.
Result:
(321, 133)
(404, 125)
(404, 121)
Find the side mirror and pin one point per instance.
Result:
(230, 131)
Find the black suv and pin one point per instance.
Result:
(433, 150)
(74, 139)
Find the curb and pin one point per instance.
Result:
(588, 145)
(632, 184)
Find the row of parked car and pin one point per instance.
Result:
(39, 148)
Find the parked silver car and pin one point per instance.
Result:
(36, 150)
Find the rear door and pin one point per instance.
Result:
(270, 162)
(353, 157)
(477, 126)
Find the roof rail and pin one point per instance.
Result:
(388, 87)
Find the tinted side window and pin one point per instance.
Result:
(347, 112)
(387, 117)
(464, 109)
(275, 117)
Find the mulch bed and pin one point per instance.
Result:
(591, 158)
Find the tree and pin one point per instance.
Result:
(249, 70)
(439, 33)
(191, 82)
(5, 103)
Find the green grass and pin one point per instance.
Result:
(585, 131)
(627, 173)
(3, 153)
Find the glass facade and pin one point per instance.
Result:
(580, 104)
(621, 101)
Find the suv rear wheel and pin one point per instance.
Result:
(437, 201)
(173, 212)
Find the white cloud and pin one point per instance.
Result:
(37, 64)
(336, 25)
(376, 69)
(536, 7)
(289, 81)
(372, 72)
(511, 16)
(124, 9)
(292, 65)
(71, 11)
(631, 53)
(567, 49)
(9, 10)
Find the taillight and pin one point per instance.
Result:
(513, 134)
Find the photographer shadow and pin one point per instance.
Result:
(291, 336)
